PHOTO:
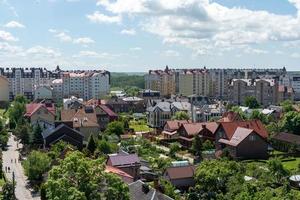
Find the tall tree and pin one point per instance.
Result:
(197, 146)
(37, 138)
(81, 178)
(91, 144)
(291, 122)
(181, 115)
(115, 128)
(8, 191)
(251, 102)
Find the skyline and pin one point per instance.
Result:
(138, 35)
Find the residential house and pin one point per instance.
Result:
(43, 92)
(123, 175)
(84, 122)
(253, 142)
(171, 127)
(246, 143)
(163, 111)
(42, 114)
(230, 116)
(135, 104)
(205, 130)
(129, 163)
(141, 191)
(62, 133)
(181, 177)
(286, 142)
(149, 94)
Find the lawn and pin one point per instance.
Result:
(291, 165)
(139, 126)
(2, 182)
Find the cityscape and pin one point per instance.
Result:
(149, 100)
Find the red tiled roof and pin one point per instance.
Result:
(33, 107)
(239, 135)
(173, 125)
(181, 172)
(195, 128)
(120, 173)
(108, 111)
(256, 125)
(288, 137)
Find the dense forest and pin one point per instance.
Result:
(120, 80)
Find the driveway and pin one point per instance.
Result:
(10, 159)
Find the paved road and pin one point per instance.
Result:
(12, 154)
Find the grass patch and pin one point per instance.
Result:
(292, 164)
(139, 126)
(2, 182)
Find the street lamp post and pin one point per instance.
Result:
(13, 182)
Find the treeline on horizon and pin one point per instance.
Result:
(122, 80)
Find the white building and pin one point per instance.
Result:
(292, 79)
(43, 92)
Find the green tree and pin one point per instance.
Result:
(174, 148)
(115, 128)
(81, 178)
(36, 164)
(91, 144)
(181, 115)
(278, 172)
(37, 138)
(3, 138)
(291, 122)
(23, 133)
(287, 106)
(15, 113)
(106, 147)
(251, 102)
(238, 110)
(197, 146)
(8, 191)
(256, 114)
(169, 189)
(207, 145)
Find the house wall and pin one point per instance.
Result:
(87, 131)
(4, 89)
(252, 149)
(42, 93)
(44, 117)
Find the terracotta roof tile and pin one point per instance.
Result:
(181, 172)
(33, 107)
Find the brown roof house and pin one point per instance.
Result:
(86, 123)
(42, 114)
(244, 142)
(129, 163)
(123, 175)
(171, 127)
(181, 177)
(230, 117)
(205, 130)
(286, 142)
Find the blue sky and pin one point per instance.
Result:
(138, 35)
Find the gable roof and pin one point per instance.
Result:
(33, 107)
(125, 177)
(180, 172)
(239, 135)
(256, 125)
(173, 125)
(288, 137)
(230, 117)
(123, 159)
(79, 117)
(108, 111)
(63, 127)
(195, 128)
(137, 193)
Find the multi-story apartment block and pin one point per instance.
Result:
(291, 79)
(84, 84)
(4, 89)
(264, 90)
(161, 80)
(194, 82)
(214, 82)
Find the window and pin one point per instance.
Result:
(252, 138)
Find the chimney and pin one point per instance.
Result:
(204, 126)
(99, 101)
(247, 126)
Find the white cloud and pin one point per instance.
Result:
(41, 52)
(98, 17)
(7, 49)
(93, 54)
(6, 36)
(63, 37)
(255, 51)
(128, 32)
(83, 40)
(206, 26)
(14, 24)
(135, 49)
(170, 53)
(295, 55)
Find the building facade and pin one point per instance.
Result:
(4, 89)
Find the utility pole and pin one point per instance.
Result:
(13, 182)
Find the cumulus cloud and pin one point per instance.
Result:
(84, 41)
(62, 36)
(41, 52)
(128, 32)
(170, 53)
(206, 26)
(14, 24)
(98, 17)
(7, 36)
(93, 54)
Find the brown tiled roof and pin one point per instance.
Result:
(230, 117)
(195, 128)
(239, 135)
(173, 125)
(124, 159)
(256, 125)
(181, 172)
(80, 118)
(288, 137)
(125, 177)
(33, 107)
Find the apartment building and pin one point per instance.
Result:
(291, 79)
(81, 83)
(161, 80)
(194, 82)
(4, 89)
(264, 90)
(23, 81)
